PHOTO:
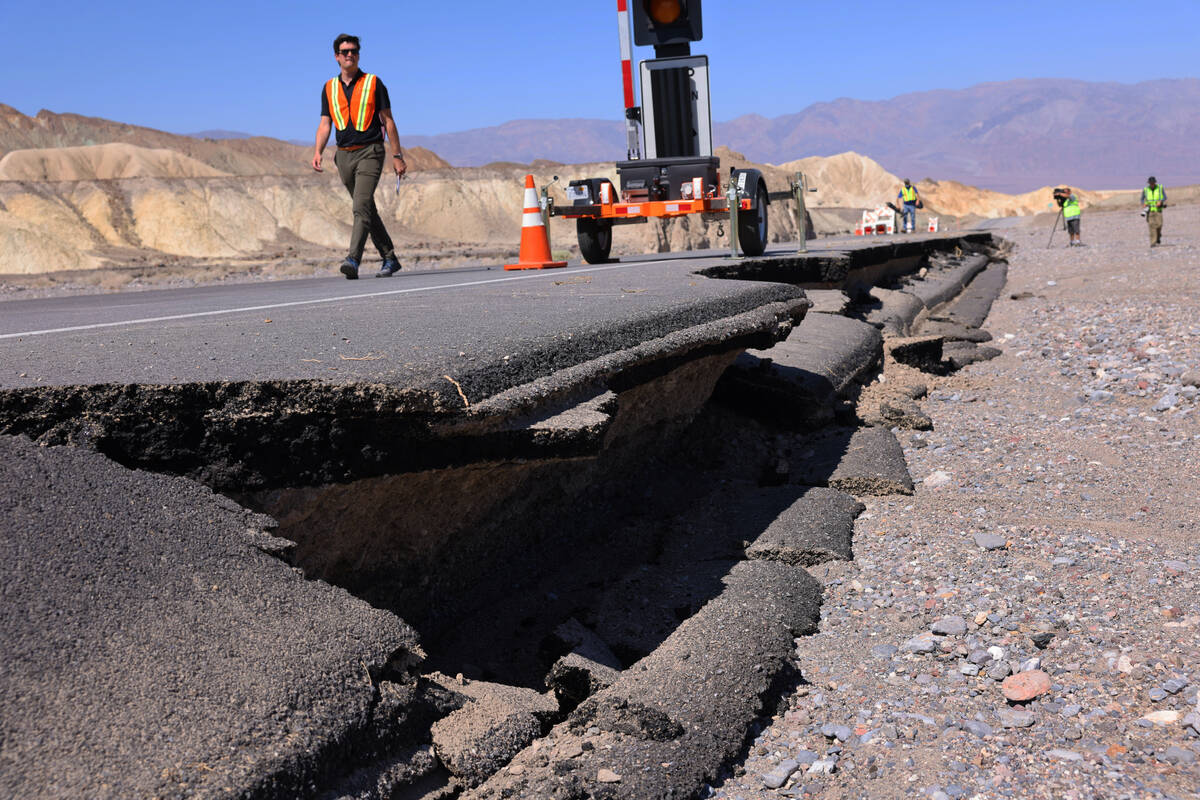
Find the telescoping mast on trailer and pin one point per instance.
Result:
(670, 170)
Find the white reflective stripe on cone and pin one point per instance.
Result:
(531, 219)
(531, 199)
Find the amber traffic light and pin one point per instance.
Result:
(664, 22)
(664, 12)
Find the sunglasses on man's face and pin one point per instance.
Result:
(348, 52)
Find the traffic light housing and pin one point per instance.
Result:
(666, 22)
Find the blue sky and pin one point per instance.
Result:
(458, 64)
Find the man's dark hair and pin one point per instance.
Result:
(342, 38)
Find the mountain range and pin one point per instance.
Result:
(1009, 136)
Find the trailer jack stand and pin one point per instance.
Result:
(731, 195)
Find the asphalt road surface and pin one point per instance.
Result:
(403, 331)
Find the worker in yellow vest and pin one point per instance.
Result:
(1070, 212)
(356, 104)
(1154, 200)
(911, 201)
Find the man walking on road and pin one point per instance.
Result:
(357, 105)
(908, 196)
(1154, 200)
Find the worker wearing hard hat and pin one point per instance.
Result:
(911, 201)
(357, 105)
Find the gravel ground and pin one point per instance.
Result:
(1028, 623)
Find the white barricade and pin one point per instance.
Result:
(881, 219)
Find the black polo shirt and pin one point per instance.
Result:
(374, 132)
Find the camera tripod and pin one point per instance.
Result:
(1052, 230)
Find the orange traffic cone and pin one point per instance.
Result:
(535, 244)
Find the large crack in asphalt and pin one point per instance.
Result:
(535, 539)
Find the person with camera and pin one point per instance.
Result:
(1154, 200)
(1071, 213)
(911, 201)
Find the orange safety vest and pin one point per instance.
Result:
(361, 106)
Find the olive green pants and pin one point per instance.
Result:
(360, 171)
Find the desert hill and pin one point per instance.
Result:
(256, 155)
(847, 179)
(959, 200)
(854, 181)
(101, 162)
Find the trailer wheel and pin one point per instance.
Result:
(595, 239)
(752, 225)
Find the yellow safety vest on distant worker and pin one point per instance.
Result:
(1153, 197)
(1071, 208)
(909, 193)
(360, 108)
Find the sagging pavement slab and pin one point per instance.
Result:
(897, 305)
(794, 525)
(971, 306)
(156, 647)
(852, 264)
(799, 380)
(673, 719)
(818, 527)
(953, 331)
(958, 321)
(859, 461)
(891, 310)
(328, 392)
(945, 279)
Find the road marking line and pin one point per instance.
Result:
(193, 315)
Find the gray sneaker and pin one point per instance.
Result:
(389, 268)
(350, 269)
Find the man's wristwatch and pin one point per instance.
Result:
(399, 156)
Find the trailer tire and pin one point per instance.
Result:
(595, 239)
(752, 224)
